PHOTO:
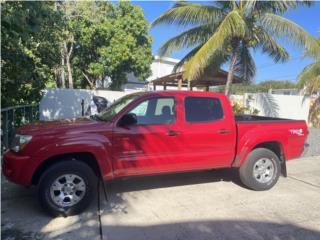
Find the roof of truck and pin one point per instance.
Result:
(183, 93)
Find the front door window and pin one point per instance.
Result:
(155, 111)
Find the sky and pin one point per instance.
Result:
(308, 18)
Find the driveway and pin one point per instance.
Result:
(200, 205)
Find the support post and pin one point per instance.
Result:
(189, 85)
(179, 84)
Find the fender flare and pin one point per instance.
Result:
(252, 142)
(100, 150)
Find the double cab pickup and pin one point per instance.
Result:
(149, 133)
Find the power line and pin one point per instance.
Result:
(279, 78)
(275, 65)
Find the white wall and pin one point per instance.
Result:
(283, 106)
(66, 103)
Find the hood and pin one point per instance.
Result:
(83, 124)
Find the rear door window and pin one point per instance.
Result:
(202, 109)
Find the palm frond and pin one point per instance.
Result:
(269, 104)
(186, 58)
(186, 14)
(310, 77)
(280, 7)
(232, 26)
(315, 53)
(248, 6)
(226, 5)
(189, 38)
(314, 113)
(271, 47)
(283, 28)
(218, 58)
(245, 66)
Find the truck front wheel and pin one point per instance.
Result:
(67, 188)
(261, 169)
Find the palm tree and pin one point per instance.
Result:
(225, 31)
(310, 79)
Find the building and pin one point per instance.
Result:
(160, 67)
(163, 78)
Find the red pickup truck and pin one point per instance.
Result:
(149, 133)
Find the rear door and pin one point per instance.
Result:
(208, 133)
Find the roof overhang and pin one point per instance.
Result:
(209, 78)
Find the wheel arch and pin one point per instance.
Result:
(85, 157)
(274, 146)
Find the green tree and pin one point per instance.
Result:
(225, 31)
(70, 44)
(310, 79)
(28, 50)
(111, 40)
(260, 87)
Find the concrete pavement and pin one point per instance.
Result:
(199, 205)
(22, 218)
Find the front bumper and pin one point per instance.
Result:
(13, 167)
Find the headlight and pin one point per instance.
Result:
(19, 141)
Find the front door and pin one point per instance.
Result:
(150, 146)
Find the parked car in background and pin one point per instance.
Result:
(149, 133)
(97, 105)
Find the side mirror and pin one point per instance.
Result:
(128, 120)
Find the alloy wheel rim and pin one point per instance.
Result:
(67, 190)
(263, 170)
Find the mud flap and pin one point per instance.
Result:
(283, 167)
(101, 183)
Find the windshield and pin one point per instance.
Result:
(116, 107)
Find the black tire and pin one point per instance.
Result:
(252, 178)
(51, 175)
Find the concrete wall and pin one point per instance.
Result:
(276, 105)
(66, 103)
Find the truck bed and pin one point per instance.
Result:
(253, 118)
(290, 133)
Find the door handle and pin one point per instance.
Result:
(223, 131)
(173, 133)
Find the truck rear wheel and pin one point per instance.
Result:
(261, 170)
(67, 188)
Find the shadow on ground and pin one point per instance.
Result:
(222, 229)
(173, 180)
(22, 217)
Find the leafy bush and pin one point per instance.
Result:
(240, 110)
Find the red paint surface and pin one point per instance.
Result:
(140, 150)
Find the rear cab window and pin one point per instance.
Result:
(202, 109)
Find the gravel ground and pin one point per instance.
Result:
(314, 143)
